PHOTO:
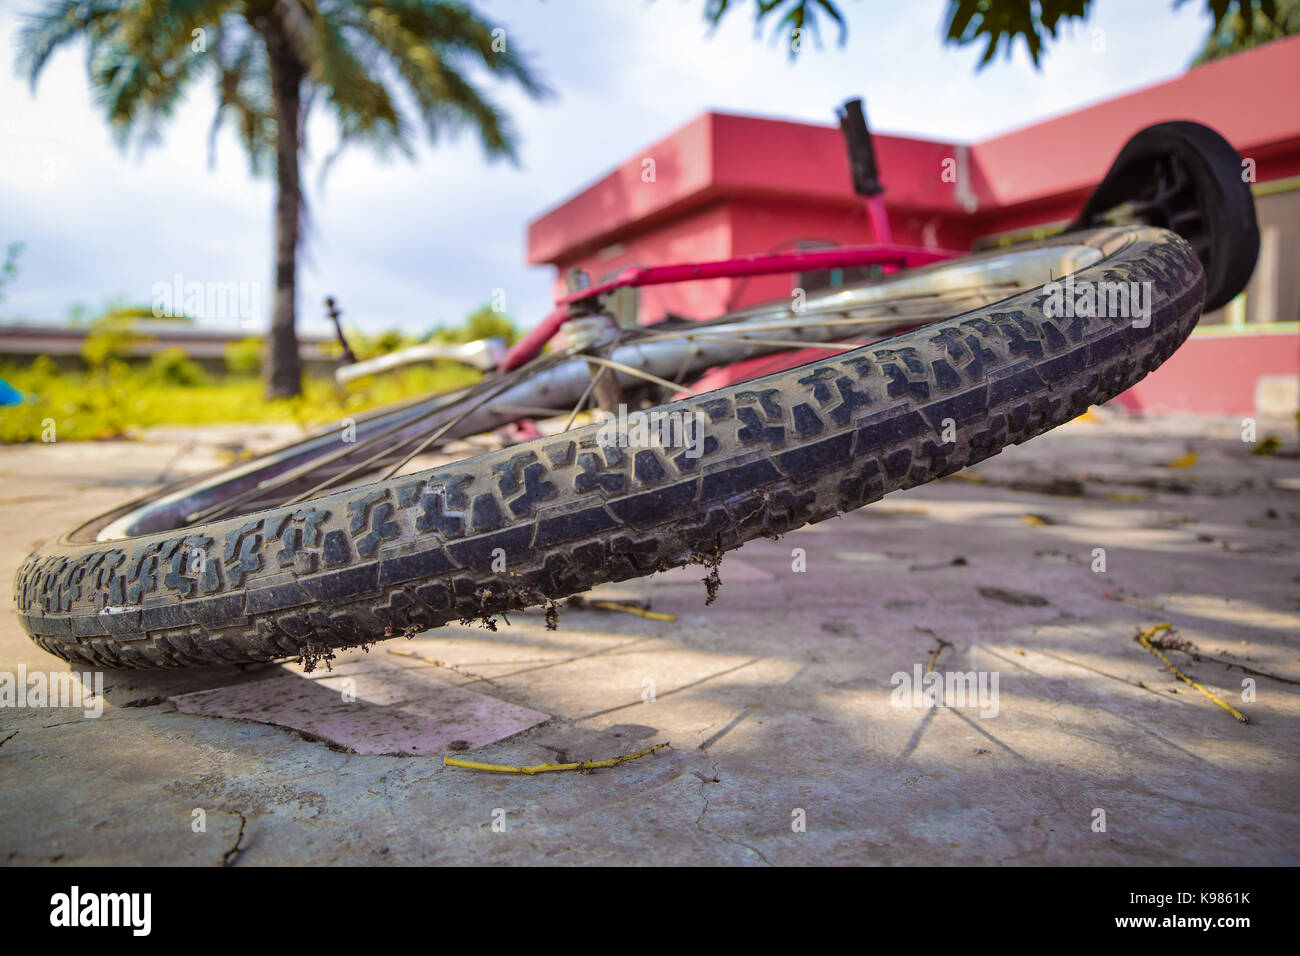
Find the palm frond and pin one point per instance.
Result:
(60, 22)
(243, 93)
(358, 57)
(413, 38)
(363, 104)
(455, 29)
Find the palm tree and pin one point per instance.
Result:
(1248, 24)
(1237, 24)
(271, 60)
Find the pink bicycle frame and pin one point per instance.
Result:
(886, 254)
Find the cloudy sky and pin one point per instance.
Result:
(415, 244)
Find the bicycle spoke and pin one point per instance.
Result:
(530, 411)
(564, 355)
(897, 311)
(302, 470)
(870, 312)
(639, 373)
(591, 387)
(778, 343)
(315, 465)
(802, 323)
(504, 383)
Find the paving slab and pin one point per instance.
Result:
(797, 731)
(368, 707)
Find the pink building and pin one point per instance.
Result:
(725, 185)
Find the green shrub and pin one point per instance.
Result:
(244, 358)
(486, 323)
(117, 399)
(111, 338)
(372, 346)
(171, 366)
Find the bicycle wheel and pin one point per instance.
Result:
(1186, 177)
(173, 580)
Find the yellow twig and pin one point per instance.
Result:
(1145, 638)
(934, 654)
(1124, 497)
(632, 609)
(583, 767)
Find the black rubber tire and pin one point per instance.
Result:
(1227, 230)
(791, 448)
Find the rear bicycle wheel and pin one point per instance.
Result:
(175, 580)
(1186, 177)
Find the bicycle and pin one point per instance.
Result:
(326, 544)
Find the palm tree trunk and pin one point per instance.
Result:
(282, 367)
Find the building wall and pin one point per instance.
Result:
(1243, 359)
(780, 224)
(730, 185)
(1273, 294)
(1223, 372)
(696, 236)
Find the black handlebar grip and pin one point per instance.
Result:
(862, 157)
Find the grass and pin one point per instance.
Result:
(116, 400)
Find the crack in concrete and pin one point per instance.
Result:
(234, 851)
(699, 820)
(1047, 842)
(280, 781)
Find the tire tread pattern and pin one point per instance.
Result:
(799, 446)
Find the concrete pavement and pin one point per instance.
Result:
(795, 735)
